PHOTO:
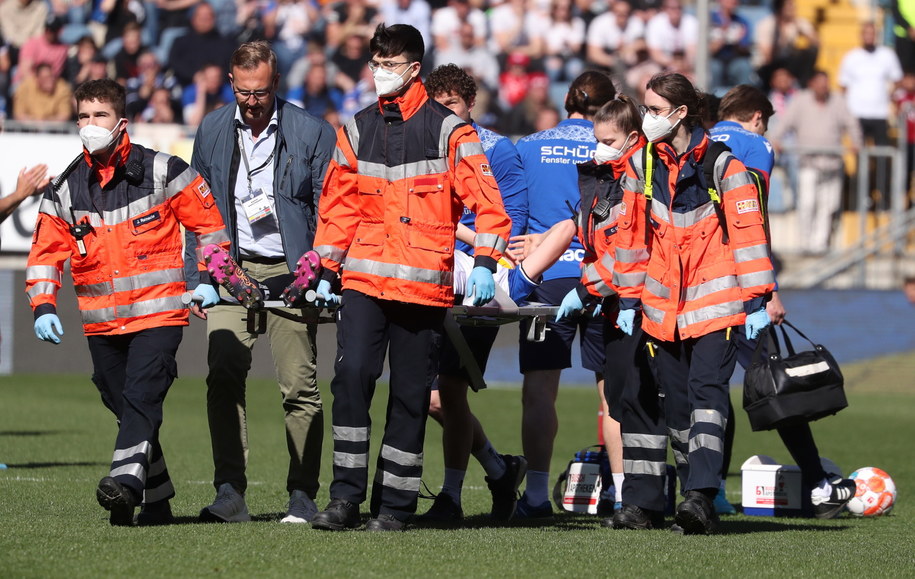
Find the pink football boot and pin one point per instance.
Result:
(306, 275)
(232, 277)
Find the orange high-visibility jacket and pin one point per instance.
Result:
(598, 236)
(131, 277)
(393, 196)
(686, 279)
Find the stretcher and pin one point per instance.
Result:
(500, 311)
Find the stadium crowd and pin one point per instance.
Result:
(171, 55)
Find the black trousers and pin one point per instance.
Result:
(133, 373)
(366, 327)
(694, 375)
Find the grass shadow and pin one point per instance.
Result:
(769, 526)
(53, 464)
(30, 432)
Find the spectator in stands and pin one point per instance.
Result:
(21, 20)
(77, 68)
(908, 287)
(547, 118)
(475, 59)
(515, 80)
(671, 31)
(98, 68)
(117, 16)
(286, 25)
(316, 96)
(783, 182)
(174, 20)
(202, 45)
(127, 59)
(613, 38)
(350, 59)
(5, 68)
(564, 42)
(416, 13)
(819, 119)
(446, 22)
(249, 21)
(785, 39)
(904, 99)
(346, 18)
(904, 32)
(43, 48)
(149, 79)
(729, 47)
(359, 96)
(518, 26)
(43, 96)
(209, 92)
(868, 74)
(521, 118)
(160, 108)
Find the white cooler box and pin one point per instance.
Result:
(770, 489)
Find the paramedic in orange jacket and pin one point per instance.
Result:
(392, 199)
(705, 271)
(117, 217)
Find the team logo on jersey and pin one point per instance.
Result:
(747, 206)
(204, 190)
(486, 169)
(623, 208)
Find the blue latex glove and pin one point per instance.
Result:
(756, 322)
(596, 312)
(571, 304)
(626, 321)
(208, 294)
(481, 285)
(46, 325)
(326, 298)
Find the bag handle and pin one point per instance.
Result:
(771, 339)
(800, 333)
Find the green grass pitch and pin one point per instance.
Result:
(57, 438)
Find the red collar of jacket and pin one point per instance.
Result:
(104, 172)
(404, 105)
(619, 165)
(698, 143)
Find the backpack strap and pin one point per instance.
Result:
(645, 172)
(716, 156)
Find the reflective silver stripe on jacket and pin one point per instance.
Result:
(707, 313)
(134, 310)
(214, 237)
(634, 184)
(734, 181)
(131, 282)
(450, 123)
(611, 217)
(657, 288)
(628, 279)
(404, 171)
(42, 288)
(653, 314)
(591, 276)
(708, 288)
(468, 149)
(331, 252)
(180, 182)
(401, 457)
(631, 255)
(352, 133)
(482, 240)
(745, 254)
(756, 278)
(399, 271)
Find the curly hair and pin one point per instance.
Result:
(450, 78)
(103, 90)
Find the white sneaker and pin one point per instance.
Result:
(301, 508)
(229, 507)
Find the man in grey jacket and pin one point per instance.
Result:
(265, 160)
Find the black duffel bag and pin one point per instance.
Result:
(784, 390)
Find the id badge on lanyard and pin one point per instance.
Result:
(256, 203)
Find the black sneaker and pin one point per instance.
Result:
(843, 489)
(505, 488)
(606, 507)
(634, 517)
(338, 515)
(443, 510)
(696, 515)
(118, 499)
(154, 514)
(385, 522)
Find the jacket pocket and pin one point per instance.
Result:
(371, 198)
(429, 199)
(438, 238)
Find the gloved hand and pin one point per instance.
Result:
(208, 293)
(326, 298)
(46, 325)
(481, 285)
(756, 322)
(596, 312)
(571, 304)
(626, 321)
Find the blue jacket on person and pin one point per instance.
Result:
(305, 145)
(509, 175)
(549, 159)
(751, 149)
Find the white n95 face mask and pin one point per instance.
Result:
(656, 127)
(604, 153)
(388, 82)
(96, 139)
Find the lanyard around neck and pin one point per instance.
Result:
(244, 157)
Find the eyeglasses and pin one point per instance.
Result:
(655, 111)
(259, 94)
(385, 64)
